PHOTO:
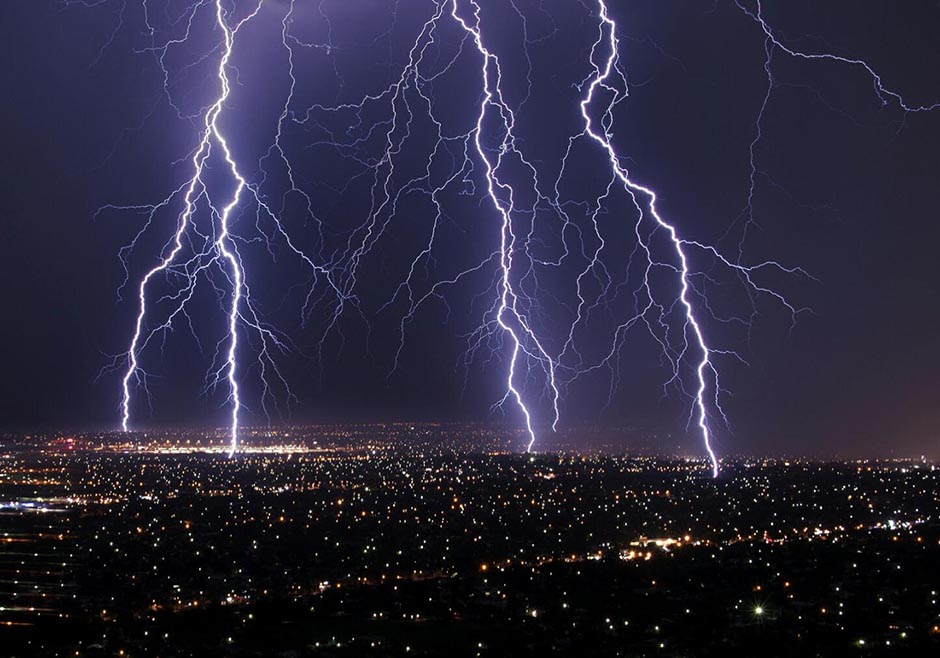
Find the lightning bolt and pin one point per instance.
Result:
(216, 250)
(705, 370)
(510, 317)
(501, 157)
(606, 78)
(407, 99)
(515, 324)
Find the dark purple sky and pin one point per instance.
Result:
(847, 189)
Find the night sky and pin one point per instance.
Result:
(846, 189)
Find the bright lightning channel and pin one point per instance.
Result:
(219, 249)
(602, 73)
(408, 97)
(509, 316)
(707, 392)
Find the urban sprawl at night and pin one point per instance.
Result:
(413, 540)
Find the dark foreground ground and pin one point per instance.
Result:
(411, 547)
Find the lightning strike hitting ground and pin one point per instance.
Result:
(221, 246)
(607, 79)
(499, 152)
(538, 233)
(218, 249)
(508, 315)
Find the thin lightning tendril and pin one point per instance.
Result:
(705, 368)
(885, 94)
